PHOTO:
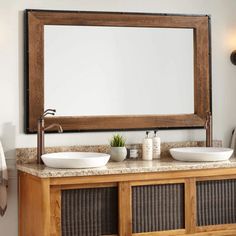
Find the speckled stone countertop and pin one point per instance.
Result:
(26, 158)
(28, 155)
(125, 167)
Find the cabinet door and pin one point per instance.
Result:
(157, 207)
(216, 202)
(90, 212)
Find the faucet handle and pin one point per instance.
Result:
(48, 112)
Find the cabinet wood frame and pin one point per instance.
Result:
(40, 198)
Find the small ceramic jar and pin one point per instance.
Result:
(118, 153)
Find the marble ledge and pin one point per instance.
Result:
(125, 167)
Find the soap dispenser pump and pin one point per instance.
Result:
(147, 148)
(156, 146)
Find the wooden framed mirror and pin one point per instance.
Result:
(124, 62)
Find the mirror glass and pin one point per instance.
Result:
(92, 70)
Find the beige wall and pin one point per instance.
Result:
(11, 75)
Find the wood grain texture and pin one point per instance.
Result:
(125, 218)
(39, 200)
(34, 206)
(202, 81)
(90, 123)
(159, 182)
(220, 177)
(88, 185)
(55, 202)
(216, 227)
(164, 233)
(190, 205)
(35, 90)
(118, 19)
(168, 232)
(215, 233)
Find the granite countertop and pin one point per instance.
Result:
(125, 167)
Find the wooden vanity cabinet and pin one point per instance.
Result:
(197, 202)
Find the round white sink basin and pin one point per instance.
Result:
(201, 154)
(75, 159)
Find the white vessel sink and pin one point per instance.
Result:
(201, 154)
(75, 159)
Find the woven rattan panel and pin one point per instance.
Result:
(89, 212)
(158, 207)
(216, 202)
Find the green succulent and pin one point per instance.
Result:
(117, 141)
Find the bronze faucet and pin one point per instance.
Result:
(40, 133)
(208, 127)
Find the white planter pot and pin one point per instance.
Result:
(118, 153)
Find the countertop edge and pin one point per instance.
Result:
(167, 167)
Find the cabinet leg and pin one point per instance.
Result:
(190, 205)
(125, 213)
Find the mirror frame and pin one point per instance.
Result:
(34, 69)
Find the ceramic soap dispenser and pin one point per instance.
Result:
(147, 148)
(156, 146)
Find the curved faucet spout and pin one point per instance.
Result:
(59, 128)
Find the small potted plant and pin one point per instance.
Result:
(118, 149)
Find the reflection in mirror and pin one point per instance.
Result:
(118, 70)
